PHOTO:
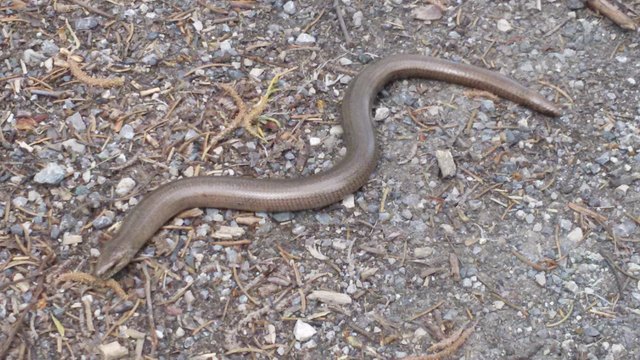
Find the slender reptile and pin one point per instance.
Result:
(317, 190)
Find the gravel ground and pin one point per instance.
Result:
(530, 249)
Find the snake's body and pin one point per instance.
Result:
(314, 191)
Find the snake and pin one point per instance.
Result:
(319, 190)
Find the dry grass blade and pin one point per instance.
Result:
(587, 212)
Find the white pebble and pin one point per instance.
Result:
(503, 25)
(256, 73)
(381, 113)
(125, 186)
(349, 201)
(314, 141)
(305, 39)
(575, 235)
(303, 331)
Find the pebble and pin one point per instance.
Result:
(127, 132)
(423, 252)
(315, 141)
(541, 279)
(305, 39)
(336, 130)
(49, 48)
(504, 26)
(77, 122)
(52, 174)
(226, 46)
(87, 23)
(571, 286)
(357, 18)
(349, 201)
(381, 113)
(289, 7)
(303, 331)
(427, 12)
(125, 185)
(103, 221)
(445, 163)
(74, 146)
(575, 4)
(256, 73)
(575, 235)
(282, 216)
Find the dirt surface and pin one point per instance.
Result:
(529, 252)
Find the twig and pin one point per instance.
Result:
(20, 322)
(306, 28)
(152, 324)
(92, 9)
(343, 26)
(425, 312)
(614, 14)
(241, 287)
(587, 212)
(564, 318)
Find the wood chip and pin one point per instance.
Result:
(113, 350)
(330, 297)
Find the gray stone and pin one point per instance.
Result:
(282, 216)
(87, 23)
(77, 122)
(52, 174)
(305, 39)
(290, 7)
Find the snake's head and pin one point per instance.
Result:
(114, 257)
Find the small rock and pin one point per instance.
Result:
(226, 45)
(446, 163)
(127, 132)
(504, 26)
(71, 239)
(49, 48)
(541, 279)
(113, 350)
(305, 39)
(381, 113)
(575, 235)
(87, 23)
(303, 331)
(591, 331)
(349, 201)
(74, 146)
(344, 61)
(125, 186)
(289, 7)
(423, 252)
(150, 59)
(315, 141)
(357, 18)
(32, 57)
(572, 286)
(427, 13)
(256, 73)
(575, 4)
(282, 216)
(77, 122)
(52, 174)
